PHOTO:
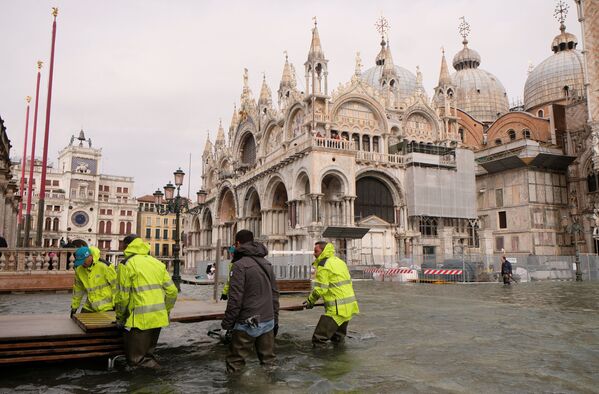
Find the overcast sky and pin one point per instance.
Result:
(147, 79)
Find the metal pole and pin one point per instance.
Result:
(42, 201)
(463, 267)
(32, 160)
(216, 270)
(577, 258)
(22, 183)
(176, 272)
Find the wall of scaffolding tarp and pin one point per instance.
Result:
(440, 191)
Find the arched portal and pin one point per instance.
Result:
(374, 198)
(227, 217)
(252, 213)
(275, 218)
(333, 210)
(301, 206)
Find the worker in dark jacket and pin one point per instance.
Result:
(506, 270)
(253, 304)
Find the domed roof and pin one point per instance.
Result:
(466, 58)
(407, 80)
(480, 94)
(558, 76)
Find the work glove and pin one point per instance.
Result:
(308, 304)
(275, 329)
(224, 297)
(73, 312)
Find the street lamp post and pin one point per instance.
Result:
(177, 205)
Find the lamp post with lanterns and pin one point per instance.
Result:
(169, 203)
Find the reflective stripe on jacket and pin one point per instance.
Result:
(145, 292)
(226, 286)
(98, 281)
(333, 283)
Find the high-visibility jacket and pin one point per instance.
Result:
(333, 283)
(98, 281)
(226, 286)
(145, 292)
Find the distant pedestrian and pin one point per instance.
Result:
(145, 296)
(506, 270)
(253, 304)
(333, 284)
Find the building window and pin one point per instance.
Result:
(515, 243)
(165, 234)
(592, 181)
(119, 190)
(540, 114)
(129, 213)
(498, 243)
(473, 240)
(156, 249)
(499, 198)
(48, 224)
(108, 227)
(109, 211)
(498, 141)
(122, 212)
(461, 133)
(428, 226)
(366, 143)
(502, 219)
(128, 227)
(122, 228)
(125, 190)
(148, 233)
(526, 134)
(374, 198)
(157, 233)
(102, 211)
(55, 224)
(511, 134)
(165, 250)
(148, 221)
(165, 221)
(102, 228)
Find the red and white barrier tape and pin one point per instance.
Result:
(442, 272)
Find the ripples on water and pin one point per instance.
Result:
(531, 337)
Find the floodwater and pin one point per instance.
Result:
(420, 338)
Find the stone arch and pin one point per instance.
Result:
(334, 189)
(378, 194)
(226, 210)
(294, 121)
(413, 122)
(252, 212)
(276, 200)
(302, 184)
(338, 173)
(365, 100)
(272, 140)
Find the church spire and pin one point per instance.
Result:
(316, 52)
(207, 145)
(444, 77)
(316, 66)
(220, 135)
(265, 94)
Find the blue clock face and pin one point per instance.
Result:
(80, 218)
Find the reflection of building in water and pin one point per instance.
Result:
(427, 176)
(81, 203)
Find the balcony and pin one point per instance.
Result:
(379, 158)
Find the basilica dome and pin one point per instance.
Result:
(478, 92)
(557, 77)
(406, 79)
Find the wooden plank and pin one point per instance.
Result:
(17, 327)
(65, 343)
(59, 357)
(60, 350)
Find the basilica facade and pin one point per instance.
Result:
(433, 177)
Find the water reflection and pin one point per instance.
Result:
(530, 337)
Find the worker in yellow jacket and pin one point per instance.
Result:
(94, 280)
(145, 296)
(333, 284)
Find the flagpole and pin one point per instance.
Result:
(32, 159)
(41, 205)
(22, 183)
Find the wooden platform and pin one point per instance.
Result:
(55, 337)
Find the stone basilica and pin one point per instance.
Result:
(435, 176)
